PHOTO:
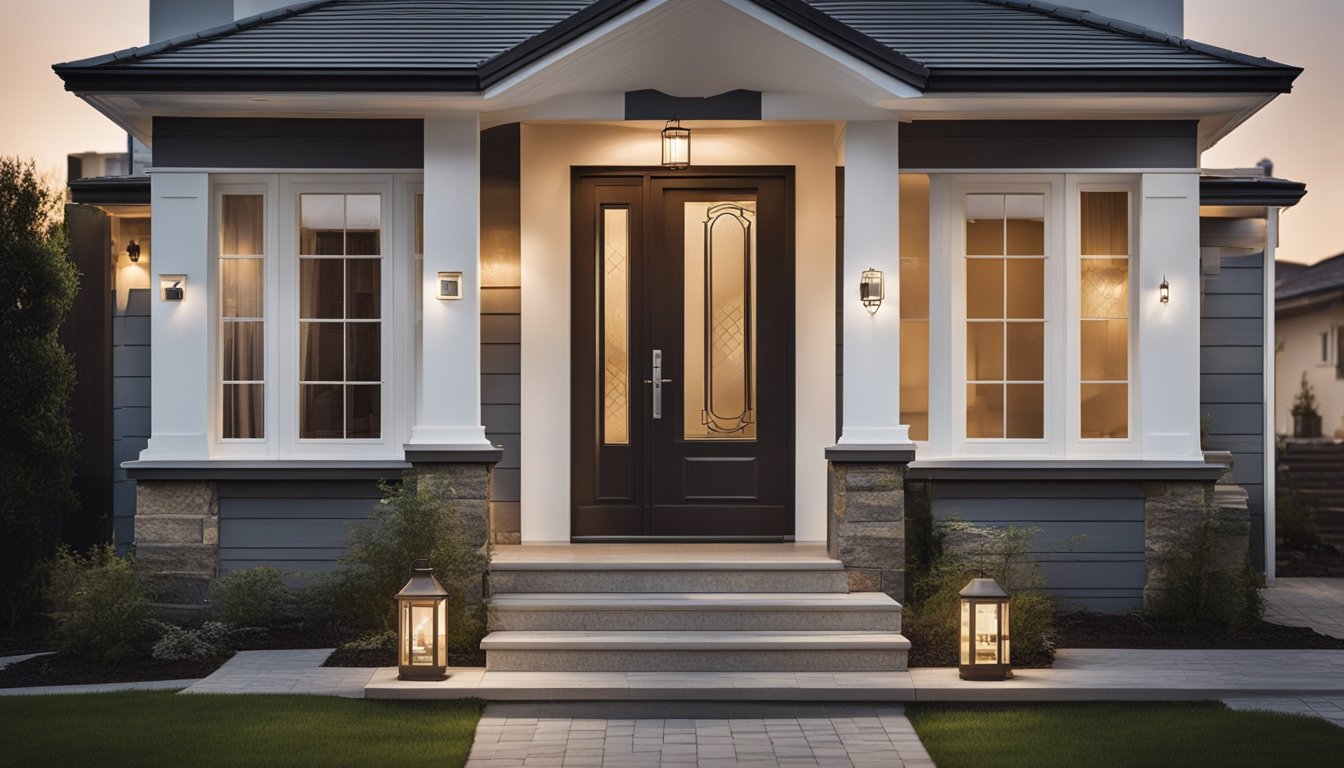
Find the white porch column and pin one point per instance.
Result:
(1168, 334)
(448, 394)
(181, 394)
(872, 347)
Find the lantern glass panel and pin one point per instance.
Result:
(441, 644)
(421, 637)
(965, 643)
(1007, 657)
(987, 633)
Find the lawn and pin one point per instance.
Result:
(153, 729)
(1106, 735)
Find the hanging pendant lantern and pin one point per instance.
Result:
(676, 145)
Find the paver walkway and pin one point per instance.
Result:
(1304, 602)
(298, 671)
(752, 736)
(1329, 707)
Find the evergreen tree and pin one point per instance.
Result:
(37, 377)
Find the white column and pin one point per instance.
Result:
(872, 350)
(1168, 334)
(448, 394)
(181, 394)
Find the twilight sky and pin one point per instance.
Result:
(1299, 131)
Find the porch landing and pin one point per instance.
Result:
(808, 554)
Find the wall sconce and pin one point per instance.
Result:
(450, 286)
(133, 250)
(172, 287)
(872, 290)
(1164, 291)
(676, 145)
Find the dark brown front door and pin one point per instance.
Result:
(683, 354)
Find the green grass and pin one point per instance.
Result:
(149, 729)
(1102, 735)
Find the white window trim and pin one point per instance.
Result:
(947, 319)
(399, 351)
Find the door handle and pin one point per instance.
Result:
(657, 381)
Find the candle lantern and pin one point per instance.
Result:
(422, 624)
(984, 631)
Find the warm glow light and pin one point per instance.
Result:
(872, 290)
(983, 640)
(1164, 291)
(676, 145)
(422, 626)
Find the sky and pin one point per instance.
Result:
(1299, 131)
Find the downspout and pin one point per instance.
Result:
(1271, 459)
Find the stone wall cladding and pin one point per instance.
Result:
(470, 485)
(1171, 511)
(866, 524)
(177, 538)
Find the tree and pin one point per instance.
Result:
(37, 377)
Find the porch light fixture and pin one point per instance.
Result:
(1164, 291)
(450, 286)
(676, 145)
(984, 631)
(422, 623)
(133, 250)
(872, 290)
(172, 287)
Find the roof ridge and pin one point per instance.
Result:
(136, 53)
(1129, 28)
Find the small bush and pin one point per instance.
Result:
(376, 641)
(413, 520)
(961, 551)
(211, 639)
(1295, 521)
(1205, 583)
(99, 608)
(254, 597)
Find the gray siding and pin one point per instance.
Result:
(130, 405)
(1231, 392)
(191, 142)
(291, 525)
(1090, 544)
(1049, 144)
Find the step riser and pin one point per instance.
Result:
(696, 661)
(643, 620)
(812, 582)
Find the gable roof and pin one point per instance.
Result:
(467, 45)
(1326, 276)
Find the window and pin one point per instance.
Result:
(1103, 318)
(340, 316)
(1324, 337)
(914, 302)
(242, 328)
(1005, 315)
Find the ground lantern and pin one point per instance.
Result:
(422, 624)
(984, 631)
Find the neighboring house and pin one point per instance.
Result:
(436, 236)
(1309, 311)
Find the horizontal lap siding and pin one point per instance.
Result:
(130, 405)
(1090, 544)
(292, 525)
(1232, 387)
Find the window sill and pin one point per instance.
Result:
(1063, 469)
(273, 469)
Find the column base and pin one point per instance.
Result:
(865, 527)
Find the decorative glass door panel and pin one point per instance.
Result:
(682, 391)
(720, 355)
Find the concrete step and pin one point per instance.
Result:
(813, 575)
(706, 651)
(719, 611)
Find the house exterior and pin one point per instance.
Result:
(1309, 310)
(438, 237)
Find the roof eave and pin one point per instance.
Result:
(1267, 192)
(1269, 81)
(222, 80)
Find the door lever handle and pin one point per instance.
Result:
(660, 381)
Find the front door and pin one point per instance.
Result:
(683, 355)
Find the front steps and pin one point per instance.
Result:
(663, 609)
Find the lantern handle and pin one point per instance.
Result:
(421, 565)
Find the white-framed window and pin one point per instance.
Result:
(1324, 347)
(1039, 332)
(315, 314)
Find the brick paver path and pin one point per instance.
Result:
(1303, 602)
(1329, 707)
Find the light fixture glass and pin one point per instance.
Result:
(422, 622)
(133, 250)
(676, 145)
(1164, 291)
(872, 290)
(984, 631)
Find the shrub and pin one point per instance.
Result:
(37, 377)
(211, 639)
(1295, 521)
(413, 520)
(1304, 402)
(376, 641)
(99, 608)
(962, 551)
(1210, 579)
(254, 597)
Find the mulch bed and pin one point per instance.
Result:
(28, 637)
(1100, 630)
(1320, 560)
(387, 657)
(59, 669)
